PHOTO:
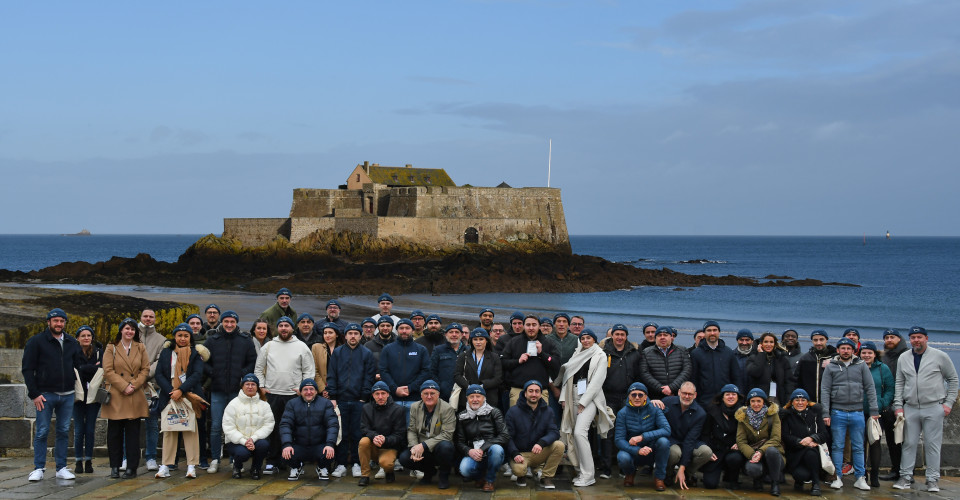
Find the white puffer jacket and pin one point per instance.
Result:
(247, 418)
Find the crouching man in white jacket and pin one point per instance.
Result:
(247, 423)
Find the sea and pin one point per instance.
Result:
(903, 281)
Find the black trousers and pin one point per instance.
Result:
(807, 467)
(887, 419)
(438, 460)
(120, 432)
(728, 464)
(608, 452)
(277, 403)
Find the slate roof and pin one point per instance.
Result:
(402, 176)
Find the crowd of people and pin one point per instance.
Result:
(522, 399)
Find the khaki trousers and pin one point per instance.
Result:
(516, 391)
(549, 457)
(384, 456)
(191, 445)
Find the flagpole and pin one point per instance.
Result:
(549, 159)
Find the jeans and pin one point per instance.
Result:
(629, 462)
(842, 424)
(486, 467)
(63, 407)
(218, 403)
(241, 454)
(152, 435)
(84, 429)
(350, 415)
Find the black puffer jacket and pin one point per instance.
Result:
(795, 425)
(621, 371)
(763, 369)
(657, 370)
(387, 420)
(309, 424)
(232, 356)
(809, 371)
(720, 429)
(490, 428)
(48, 367)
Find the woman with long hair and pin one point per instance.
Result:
(126, 367)
(322, 351)
(720, 433)
(478, 365)
(260, 333)
(769, 369)
(85, 408)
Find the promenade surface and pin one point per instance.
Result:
(14, 485)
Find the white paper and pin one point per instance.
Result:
(773, 389)
(478, 443)
(531, 347)
(183, 378)
(581, 386)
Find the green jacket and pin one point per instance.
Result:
(274, 313)
(886, 386)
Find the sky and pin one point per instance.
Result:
(666, 118)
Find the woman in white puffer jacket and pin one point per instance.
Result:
(247, 423)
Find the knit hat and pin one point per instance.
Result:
(917, 329)
(546, 321)
(309, 381)
(756, 393)
(788, 330)
(182, 327)
(869, 345)
(229, 314)
(304, 316)
(384, 319)
(819, 332)
(846, 341)
(663, 329)
(193, 316)
(476, 389)
(516, 315)
(729, 388)
(429, 384)
(710, 323)
(211, 306)
(487, 310)
(619, 326)
(333, 326)
(56, 313)
(380, 386)
(418, 312)
(744, 332)
(561, 315)
(532, 382)
(404, 322)
(285, 319)
(353, 326)
(892, 331)
(799, 393)
(253, 378)
(456, 326)
(284, 291)
(87, 328)
(434, 317)
(479, 333)
(332, 302)
(851, 330)
(128, 321)
(385, 297)
(637, 386)
(586, 332)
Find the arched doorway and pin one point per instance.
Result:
(471, 235)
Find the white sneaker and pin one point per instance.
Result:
(191, 472)
(580, 482)
(36, 475)
(340, 471)
(529, 472)
(163, 472)
(837, 483)
(152, 464)
(355, 471)
(295, 474)
(507, 471)
(380, 474)
(123, 466)
(513, 477)
(269, 470)
(861, 484)
(396, 466)
(322, 474)
(214, 466)
(64, 473)
(417, 474)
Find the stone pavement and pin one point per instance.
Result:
(14, 485)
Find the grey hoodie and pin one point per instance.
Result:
(935, 369)
(844, 387)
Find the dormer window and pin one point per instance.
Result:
(396, 178)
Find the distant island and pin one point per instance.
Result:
(83, 232)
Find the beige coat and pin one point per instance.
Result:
(120, 369)
(320, 358)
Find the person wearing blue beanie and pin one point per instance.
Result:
(308, 431)
(384, 434)
(281, 307)
(756, 438)
(385, 304)
(642, 437)
(803, 430)
(809, 370)
(481, 438)
(404, 365)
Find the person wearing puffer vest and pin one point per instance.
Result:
(642, 435)
(308, 431)
(247, 423)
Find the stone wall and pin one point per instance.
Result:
(10, 366)
(255, 232)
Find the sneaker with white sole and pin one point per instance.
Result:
(152, 465)
(933, 485)
(295, 473)
(162, 472)
(36, 475)
(191, 472)
(269, 470)
(340, 471)
(861, 484)
(416, 474)
(904, 483)
(507, 470)
(322, 474)
(64, 473)
(355, 471)
(380, 474)
(397, 467)
(214, 466)
(837, 483)
(580, 482)
(123, 466)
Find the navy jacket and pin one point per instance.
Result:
(713, 369)
(443, 365)
(685, 426)
(351, 373)
(232, 356)
(47, 367)
(646, 420)
(309, 424)
(404, 362)
(193, 383)
(528, 427)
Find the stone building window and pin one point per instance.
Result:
(426, 179)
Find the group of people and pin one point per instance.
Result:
(522, 399)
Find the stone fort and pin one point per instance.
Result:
(420, 204)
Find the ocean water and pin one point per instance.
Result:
(903, 282)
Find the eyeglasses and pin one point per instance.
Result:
(636, 395)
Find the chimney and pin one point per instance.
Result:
(408, 165)
(366, 167)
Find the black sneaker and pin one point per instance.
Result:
(364, 481)
(255, 473)
(237, 472)
(522, 481)
(391, 477)
(88, 467)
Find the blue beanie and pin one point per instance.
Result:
(385, 297)
(332, 326)
(405, 322)
(353, 326)
(284, 291)
(619, 326)
(744, 332)
(384, 319)
(587, 331)
(851, 330)
(211, 306)
(561, 315)
(285, 319)
(304, 316)
(648, 325)
(532, 382)
(708, 324)
(418, 312)
(251, 378)
(917, 329)
(546, 321)
(182, 327)
(229, 314)
(380, 386)
(476, 389)
(799, 393)
(332, 302)
(517, 315)
(87, 328)
(434, 317)
(846, 341)
(429, 384)
(193, 316)
(637, 386)
(663, 329)
(368, 320)
(756, 392)
(729, 388)
(128, 321)
(869, 345)
(309, 381)
(455, 326)
(479, 333)
(788, 330)
(56, 313)
(487, 310)
(819, 332)
(892, 331)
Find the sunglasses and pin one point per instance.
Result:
(636, 395)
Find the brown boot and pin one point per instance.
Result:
(659, 485)
(628, 480)
(488, 486)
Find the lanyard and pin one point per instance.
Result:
(479, 363)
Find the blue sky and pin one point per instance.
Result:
(767, 117)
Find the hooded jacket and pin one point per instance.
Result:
(713, 369)
(351, 373)
(247, 417)
(528, 427)
(646, 420)
(884, 383)
(404, 363)
(232, 356)
(796, 425)
(848, 388)
(658, 370)
(388, 420)
(282, 365)
(750, 440)
(312, 423)
(48, 367)
(809, 371)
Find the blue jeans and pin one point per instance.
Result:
(661, 453)
(218, 403)
(348, 452)
(487, 467)
(152, 436)
(406, 410)
(63, 407)
(84, 429)
(852, 423)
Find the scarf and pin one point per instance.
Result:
(471, 413)
(756, 417)
(180, 364)
(580, 357)
(729, 411)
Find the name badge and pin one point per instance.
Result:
(581, 386)
(531, 348)
(183, 378)
(478, 443)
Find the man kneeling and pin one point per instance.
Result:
(430, 436)
(384, 431)
(481, 436)
(641, 435)
(308, 431)
(534, 437)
